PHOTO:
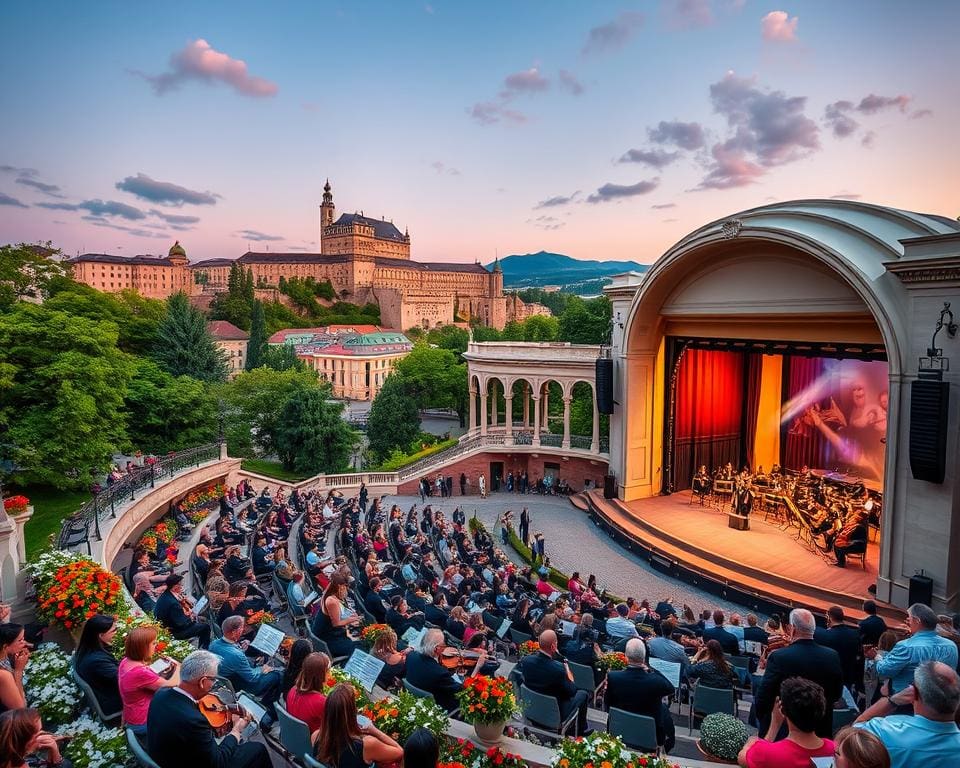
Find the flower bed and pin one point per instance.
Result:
(49, 687)
(400, 716)
(459, 753)
(94, 745)
(194, 506)
(166, 644)
(487, 699)
(612, 661)
(602, 750)
(15, 505)
(71, 588)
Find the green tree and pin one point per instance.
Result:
(137, 319)
(184, 346)
(168, 413)
(394, 421)
(585, 322)
(62, 388)
(25, 271)
(254, 401)
(258, 337)
(310, 436)
(434, 378)
(450, 337)
(236, 305)
(282, 357)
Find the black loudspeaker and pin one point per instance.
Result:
(604, 372)
(609, 487)
(921, 589)
(929, 399)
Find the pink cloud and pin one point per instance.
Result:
(525, 81)
(777, 26)
(200, 61)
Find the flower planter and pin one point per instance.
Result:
(713, 758)
(489, 733)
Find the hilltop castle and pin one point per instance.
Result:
(368, 260)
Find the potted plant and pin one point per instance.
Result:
(398, 717)
(722, 736)
(371, 633)
(488, 703)
(612, 661)
(603, 750)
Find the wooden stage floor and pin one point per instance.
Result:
(764, 558)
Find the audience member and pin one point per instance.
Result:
(857, 748)
(137, 681)
(22, 735)
(425, 672)
(923, 644)
(641, 690)
(728, 641)
(179, 620)
(872, 626)
(263, 682)
(306, 700)
(177, 731)
(802, 705)
(711, 668)
(545, 674)
(845, 640)
(421, 750)
(13, 658)
(299, 651)
(96, 664)
(343, 743)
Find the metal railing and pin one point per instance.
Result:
(77, 528)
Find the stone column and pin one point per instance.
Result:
(595, 440)
(545, 410)
(483, 411)
(566, 422)
(536, 419)
(493, 403)
(526, 405)
(508, 399)
(473, 410)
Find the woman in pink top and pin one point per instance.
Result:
(802, 704)
(475, 625)
(306, 701)
(137, 681)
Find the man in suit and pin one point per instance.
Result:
(170, 613)
(547, 675)
(525, 527)
(373, 602)
(728, 641)
(752, 633)
(802, 658)
(846, 642)
(641, 690)
(179, 735)
(426, 673)
(873, 626)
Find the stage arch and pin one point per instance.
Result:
(809, 275)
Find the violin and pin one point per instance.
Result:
(219, 714)
(458, 660)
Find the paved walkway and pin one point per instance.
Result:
(575, 543)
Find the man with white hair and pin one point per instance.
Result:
(802, 658)
(924, 644)
(425, 671)
(641, 690)
(930, 736)
(179, 735)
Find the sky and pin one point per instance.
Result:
(602, 130)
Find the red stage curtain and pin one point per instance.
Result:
(708, 412)
(804, 444)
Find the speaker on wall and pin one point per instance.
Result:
(609, 487)
(929, 399)
(921, 589)
(604, 381)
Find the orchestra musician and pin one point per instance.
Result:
(743, 494)
(702, 484)
(852, 538)
(174, 611)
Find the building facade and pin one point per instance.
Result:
(368, 261)
(154, 277)
(233, 342)
(356, 360)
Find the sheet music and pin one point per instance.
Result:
(364, 668)
(413, 636)
(310, 598)
(201, 604)
(268, 639)
(752, 647)
(567, 628)
(822, 762)
(503, 628)
(669, 669)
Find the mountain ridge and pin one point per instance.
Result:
(546, 268)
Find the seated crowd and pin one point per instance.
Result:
(443, 587)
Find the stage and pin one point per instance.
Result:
(764, 561)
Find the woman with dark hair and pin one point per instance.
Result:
(331, 622)
(96, 664)
(14, 655)
(857, 748)
(521, 618)
(298, 652)
(802, 704)
(306, 699)
(710, 667)
(421, 750)
(343, 743)
(22, 734)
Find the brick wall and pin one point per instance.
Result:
(574, 470)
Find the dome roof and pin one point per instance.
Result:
(177, 250)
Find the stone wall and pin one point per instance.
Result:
(574, 470)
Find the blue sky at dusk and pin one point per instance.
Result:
(601, 130)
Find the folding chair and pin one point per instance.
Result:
(637, 731)
(544, 711)
(705, 701)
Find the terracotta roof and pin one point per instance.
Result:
(223, 330)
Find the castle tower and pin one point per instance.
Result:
(327, 210)
(176, 254)
(495, 284)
